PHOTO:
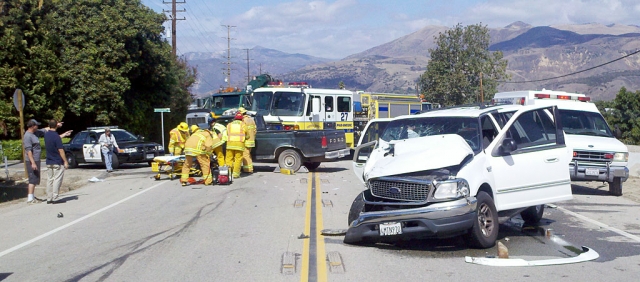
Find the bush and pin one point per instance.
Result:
(13, 148)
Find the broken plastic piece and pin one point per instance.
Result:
(586, 255)
(95, 179)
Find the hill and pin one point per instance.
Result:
(534, 53)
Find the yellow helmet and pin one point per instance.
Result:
(242, 110)
(183, 126)
(194, 128)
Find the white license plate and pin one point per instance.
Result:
(592, 171)
(391, 228)
(150, 156)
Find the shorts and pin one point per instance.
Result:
(34, 176)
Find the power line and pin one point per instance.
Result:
(573, 73)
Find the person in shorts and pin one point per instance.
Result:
(32, 150)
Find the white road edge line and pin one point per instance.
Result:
(613, 229)
(8, 251)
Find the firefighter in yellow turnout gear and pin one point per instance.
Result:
(221, 131)
(236, 134)
(177, 138)
(200, 146)
(250, 141)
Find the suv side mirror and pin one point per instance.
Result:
(508, 145)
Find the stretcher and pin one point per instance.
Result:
(172, 166)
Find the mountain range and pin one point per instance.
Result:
(594, 59)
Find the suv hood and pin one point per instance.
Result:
(594, 143)
(417, 154)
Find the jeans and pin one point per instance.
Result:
(108, 158)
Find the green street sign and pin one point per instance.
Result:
(161, 110)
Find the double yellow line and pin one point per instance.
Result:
(314, 245)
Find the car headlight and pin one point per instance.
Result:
(451, 189)
(621, 157)
(129, 150)
(159, 148)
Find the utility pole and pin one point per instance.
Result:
(248, 73)
(173, 22)
(229, 53)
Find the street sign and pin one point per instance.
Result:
(18, 101)
(162, 110)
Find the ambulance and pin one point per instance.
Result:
(597, 154)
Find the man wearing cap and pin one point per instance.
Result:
(32, 151)
(250, 141)
(177, 138)
(108, 143)
(221, 131)
(199, 146)
(236, 135)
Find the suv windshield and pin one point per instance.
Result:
(584, 123)
(427, 126)
(123, 136)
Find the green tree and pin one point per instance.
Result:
(625, 113)
(92, 63)
(341, 85)
(458, 63)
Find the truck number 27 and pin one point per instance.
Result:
(344, 116)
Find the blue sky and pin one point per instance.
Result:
(336, 29)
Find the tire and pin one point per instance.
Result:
(484, 232)
(115, 163)
(356, 208)
(312, 165)
(533, 215)
(71, 159)
(290, 159)
(615, 187)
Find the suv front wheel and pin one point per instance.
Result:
(484, 232)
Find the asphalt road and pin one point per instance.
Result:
(267, 227)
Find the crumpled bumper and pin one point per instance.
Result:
(435, 220)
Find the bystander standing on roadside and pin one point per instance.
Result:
(32, 152)
(108, 143)
(56, 161)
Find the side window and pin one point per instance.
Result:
(80, 138)
(489, 131)
(344, 104)
(310, 103)
(534, 128)
(328, 104)
(92, 139)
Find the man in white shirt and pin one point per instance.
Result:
(108, 143)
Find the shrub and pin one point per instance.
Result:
(13, 148)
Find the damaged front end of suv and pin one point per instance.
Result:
(423, 201)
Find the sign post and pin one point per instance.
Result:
(18, 102)
(162, 111)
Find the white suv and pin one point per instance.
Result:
(466, 168)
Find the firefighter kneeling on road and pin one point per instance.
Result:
(199, 146)
(236, 132)
(249, 142)
(177, 138)
(221, 131)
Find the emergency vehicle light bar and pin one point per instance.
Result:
(561, 97)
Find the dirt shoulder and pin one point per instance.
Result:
(14, 187)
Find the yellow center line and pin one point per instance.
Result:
(320, 254)
(304, 269)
